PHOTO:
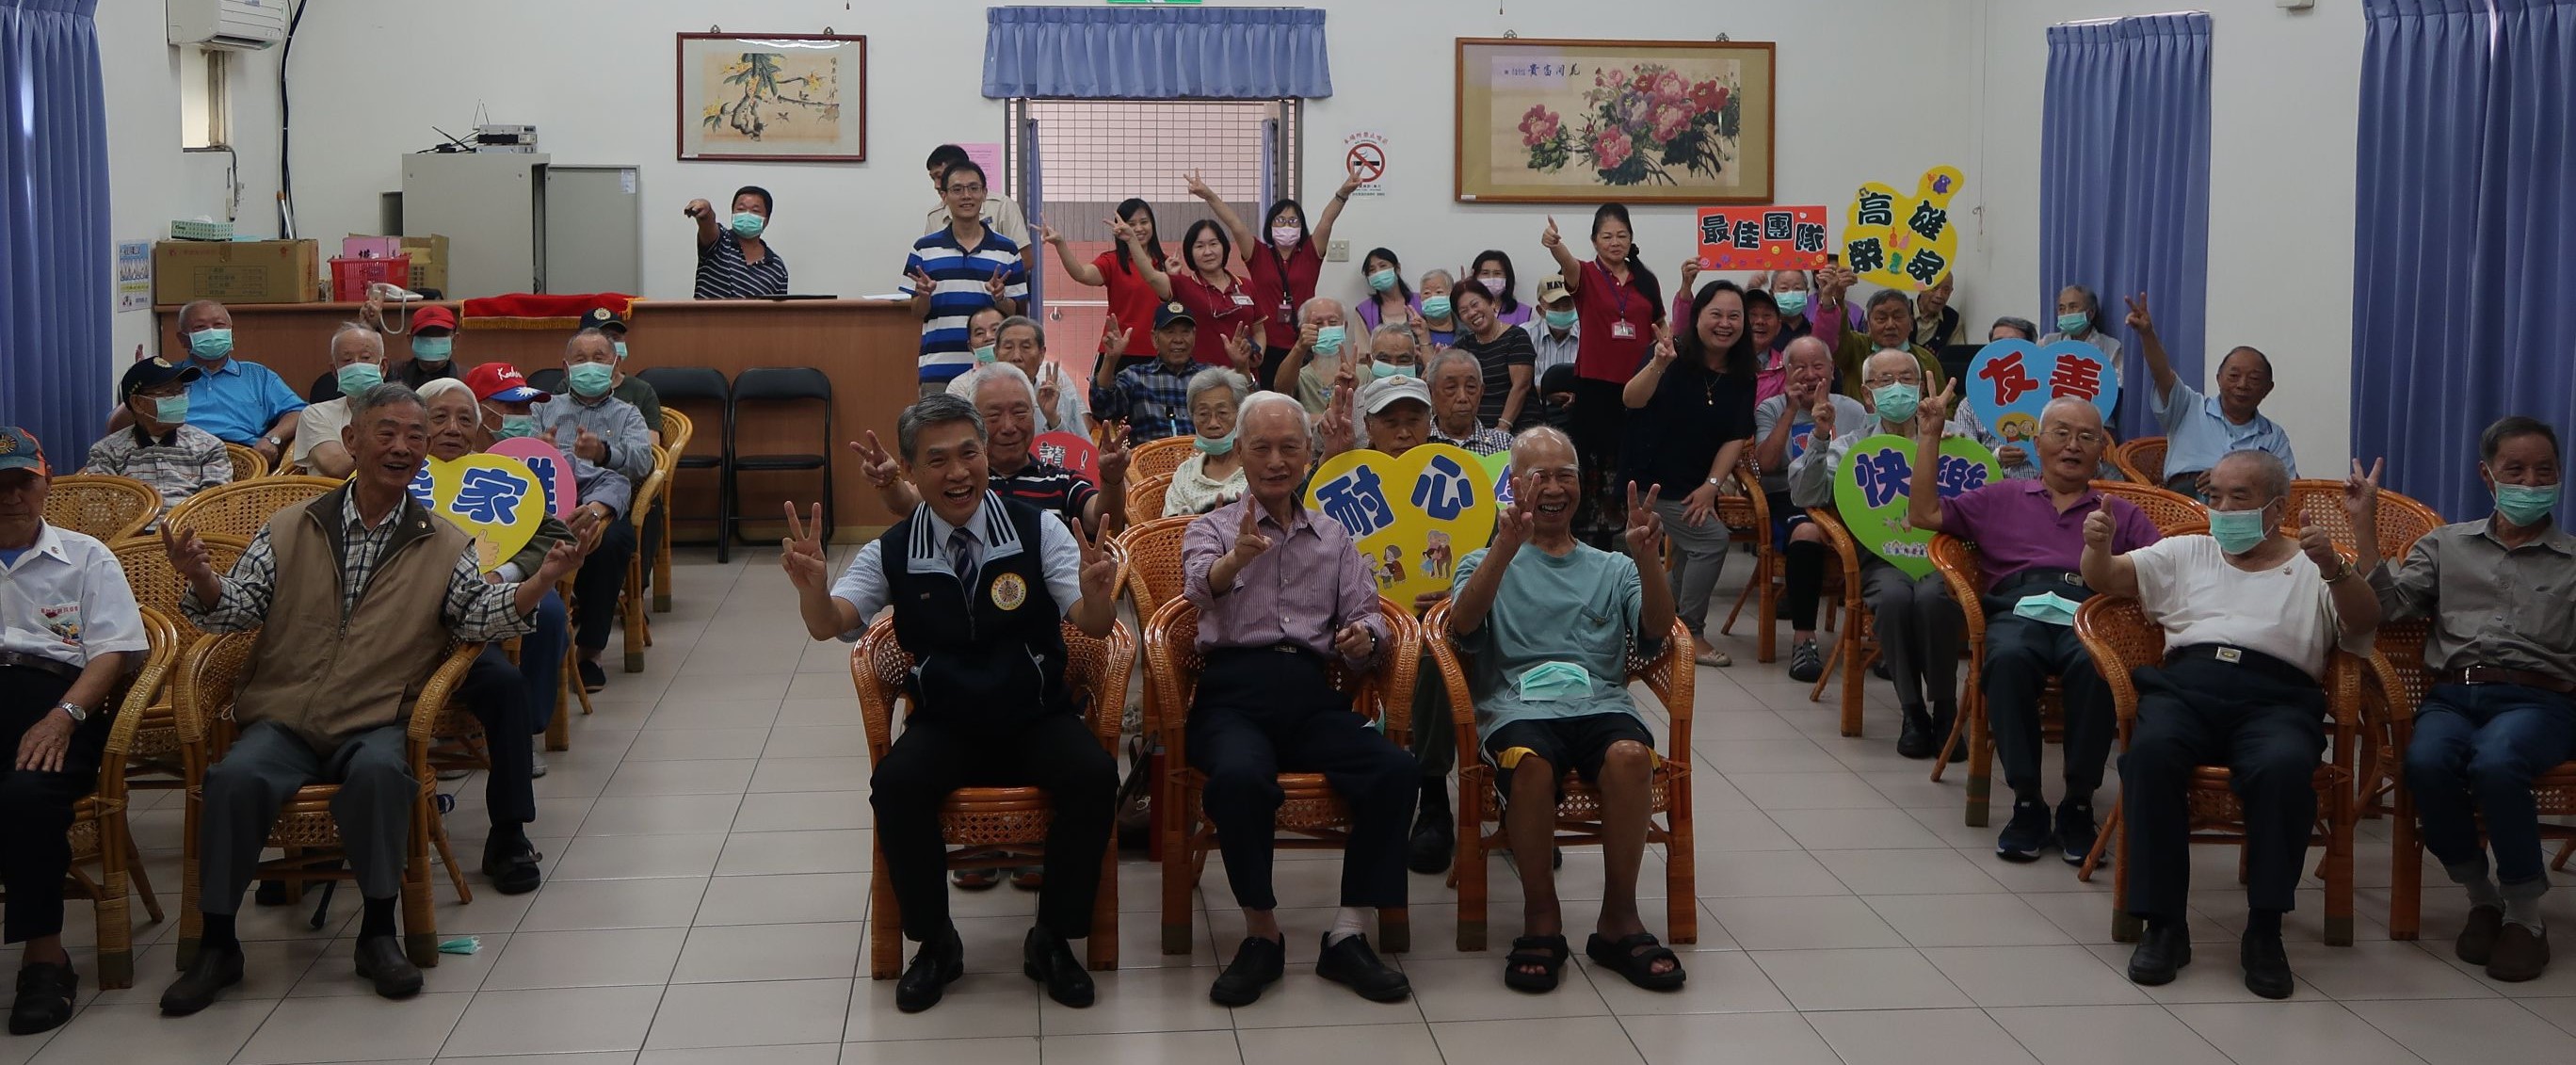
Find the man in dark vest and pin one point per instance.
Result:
(355, 595)
(978, 583)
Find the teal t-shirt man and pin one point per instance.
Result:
(1581, 608)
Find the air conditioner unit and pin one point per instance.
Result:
(238, 25)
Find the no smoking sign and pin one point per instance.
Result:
(1364, 154)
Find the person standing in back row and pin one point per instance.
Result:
(735, 261)
(1620, 303)
(1283, 261)
(1135, 247)
(1000, 212)
(953, 273)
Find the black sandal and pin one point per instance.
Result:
(1634, 957)
(1549, 953)
(975, 879)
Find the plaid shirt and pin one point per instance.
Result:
(1153, 399)
(187, 461)
(474, 610)
(1486, 440)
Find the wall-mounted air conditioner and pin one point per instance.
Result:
(241, 25)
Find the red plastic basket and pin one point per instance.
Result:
(350, 277)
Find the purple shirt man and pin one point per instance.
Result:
(2017, 526)
(1309, 584)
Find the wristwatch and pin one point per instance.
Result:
(78, 713)
(1717, 482)
(274, 442)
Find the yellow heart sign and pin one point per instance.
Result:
(492, 497)
(1904, 242)
(1412, 517)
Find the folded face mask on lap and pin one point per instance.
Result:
(1550, 682)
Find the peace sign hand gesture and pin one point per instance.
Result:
(2361, 491)
(922, 285)
(1239, 350)
(1112, 338)
(1645, 528)
(801, 553)
(1197, 187)
(1099, 575)
(878, 466)
(2140, 321)
(1664, 350)
(1933, 416)
(1515, 524)
(997, 287)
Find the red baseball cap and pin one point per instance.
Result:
(504, 382)
(433, 316)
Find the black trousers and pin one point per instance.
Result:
(1263, 712)
(596, 586)
(2268, 732)
(1055, 752)
(2021, 655)
(497, 694)
(36, 808)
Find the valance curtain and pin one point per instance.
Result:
(55, 290)
(2461, 273)
(1155, 53)
(2124, 186)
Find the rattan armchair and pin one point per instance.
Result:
(2143, 460)
(102, 506)
(677, 430)
(1157, 458)
(1144, 500)
(1313, 817)
(153, 756)
(247, 464)
(1669, 675)
(1856, 644)
(634, 620)
(1748, 521)
(993, 828)
(208, 679)
(242, 507)
(2121, 638)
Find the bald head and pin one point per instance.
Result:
(1541, 447)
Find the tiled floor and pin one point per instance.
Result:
(708, 842)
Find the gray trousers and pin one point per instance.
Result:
(1920, 632)
(263, 769)
(1435, 731)
(1699, 555)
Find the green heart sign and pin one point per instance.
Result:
(1872, 489)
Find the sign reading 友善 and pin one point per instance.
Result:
(2011, 381)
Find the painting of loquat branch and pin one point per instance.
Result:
(1549, 121)
(771, 97)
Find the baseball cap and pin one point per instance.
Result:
(1551, 288)
(502, 381)
(433, 317)
(19, 450)
(603, 318)
(1386, 392)
(1171, 312)
(153, 373)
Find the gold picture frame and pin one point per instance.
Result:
(1583, 121)
(773, 97)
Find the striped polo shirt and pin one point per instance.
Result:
(960, 276)
(723, 273)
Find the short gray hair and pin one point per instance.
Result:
(346, 328)
(2092, 303)
(392, 394)
(1215, 377)
(1390, 329)
(1022, 321)
(2029, 330)
(2268, 471)
(1261, 401)
(191, 306)
(430, 391)
(579, 335)
(941, 409)
(2073, 402)
(1889, 295)
(990, 372)
(1440, 356)
(1443, 275)
(1308, 308)
(1543, 432)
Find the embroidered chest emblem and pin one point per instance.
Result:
(1009, 591)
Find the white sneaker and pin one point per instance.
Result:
(537, 757)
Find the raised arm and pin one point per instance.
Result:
(1323, 234)
(1566, 264)
(1640, 389)
(1923, 495)
(2143, 324)
(1225, 216)
(2105, 572)
(1075, 268)
(705, 214)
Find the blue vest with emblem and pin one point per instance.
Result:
(989, 652)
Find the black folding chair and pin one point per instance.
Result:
(550, 379)
(703, 395)
(777, 386)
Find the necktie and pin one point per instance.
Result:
(961, 560)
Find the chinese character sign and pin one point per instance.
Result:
(2011, 381)
(553, 470)
(1073, 451)
(1874, 486)
(1761, 238)
(1412, 517)
(494, 498)
(1900, 241)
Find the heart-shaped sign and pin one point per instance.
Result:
(553, 470)
(1073, 451)
(494, 498)
(1412, 517)
(2011, 381)
(1498, 472)
(1873, 487)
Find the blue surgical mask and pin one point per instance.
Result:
(433, 349)
(1388, 369)
(357, 377)
(589, 380)
(1896, 402)
(170, 410)
(1550, 682)
(984, 354)
(2237, 531)
(621, 350)
(1217, 446)
(747, 225)
(1381, 280)
(514, 426)
(2071, 324)
(1560, 319)
(210, 345)
(1328, 339)
(1792, 302)
(2047, 608)
(2525, 505)
(1435, 306)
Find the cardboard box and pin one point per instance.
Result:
(428, 260)
(244, 271)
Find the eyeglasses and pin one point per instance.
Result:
(965, 188)
(1884, 380)
(2060, 436)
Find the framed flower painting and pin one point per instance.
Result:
(1566, 121)
(773, 97)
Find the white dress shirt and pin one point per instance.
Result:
(989, 535)
(66, 599)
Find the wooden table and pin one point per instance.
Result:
(867, 347)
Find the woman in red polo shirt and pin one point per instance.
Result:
(1131, 299)
(1620, 306)
(1220, 302)
(1283, 260)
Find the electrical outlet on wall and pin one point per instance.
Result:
(1338, 251)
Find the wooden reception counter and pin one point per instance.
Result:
(867, 347)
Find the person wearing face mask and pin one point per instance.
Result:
(1935, 322)
(626, 386)
(605, 438)
(2199, 429)
(1691, 410)
(1007, 402)
(1020, 341)
(1437, 326)
(1211, 291)
(357, 364)
(1390, 299)
(1317, 356)
(1554, 330)
(2079, 318)
(161, 449)
(1890, 325)
(735, 261)
(1457, 383)
(2502, 708)
(430, 349)
(1785, 427)
(239, 402)
(1920, 629)
(1284, 261)
(1620, 303)
(1794, 293)
(1492, 271)
(1153, 399)
(2249, 616)
(1135, 247)
(1213, 473)
(1503, 356)
(2029, 536)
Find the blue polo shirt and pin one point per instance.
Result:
(2198, 434)
(960, 276)
(239, 400)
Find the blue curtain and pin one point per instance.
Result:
(2461, 234)
(2124, 186)
(56, 295)
(1155, 53)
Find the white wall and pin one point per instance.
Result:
(2283, 88)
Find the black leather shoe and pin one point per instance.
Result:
(593, 678)
(1257, 964)
(2161, 953)
(2267, 966)
(1047, 960)
(215, 970)
(1434, 837)
(2520, 954)
(381, 959)
(935, 966)
(1352, 962)
(512, 865)
(2477, 940)
(46, 993)
(1915, 739)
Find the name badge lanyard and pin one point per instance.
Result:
(1620, 328)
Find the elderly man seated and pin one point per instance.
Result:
(239, 402)
(1003, 397)
(1784, 427)
(1920, 630)
(68, 631)
(2502, 709)
(354, 595)
(1457, 390)
(2030, 535)
(977, 582)
(357, 364)
(161, 449)
(1322, 349)
(2199, 429)
(2249, 617)
(612, 453)
(1891, 327)
(1547, 621)
(1152, 397)
(1063, 406)
(1279, 588)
